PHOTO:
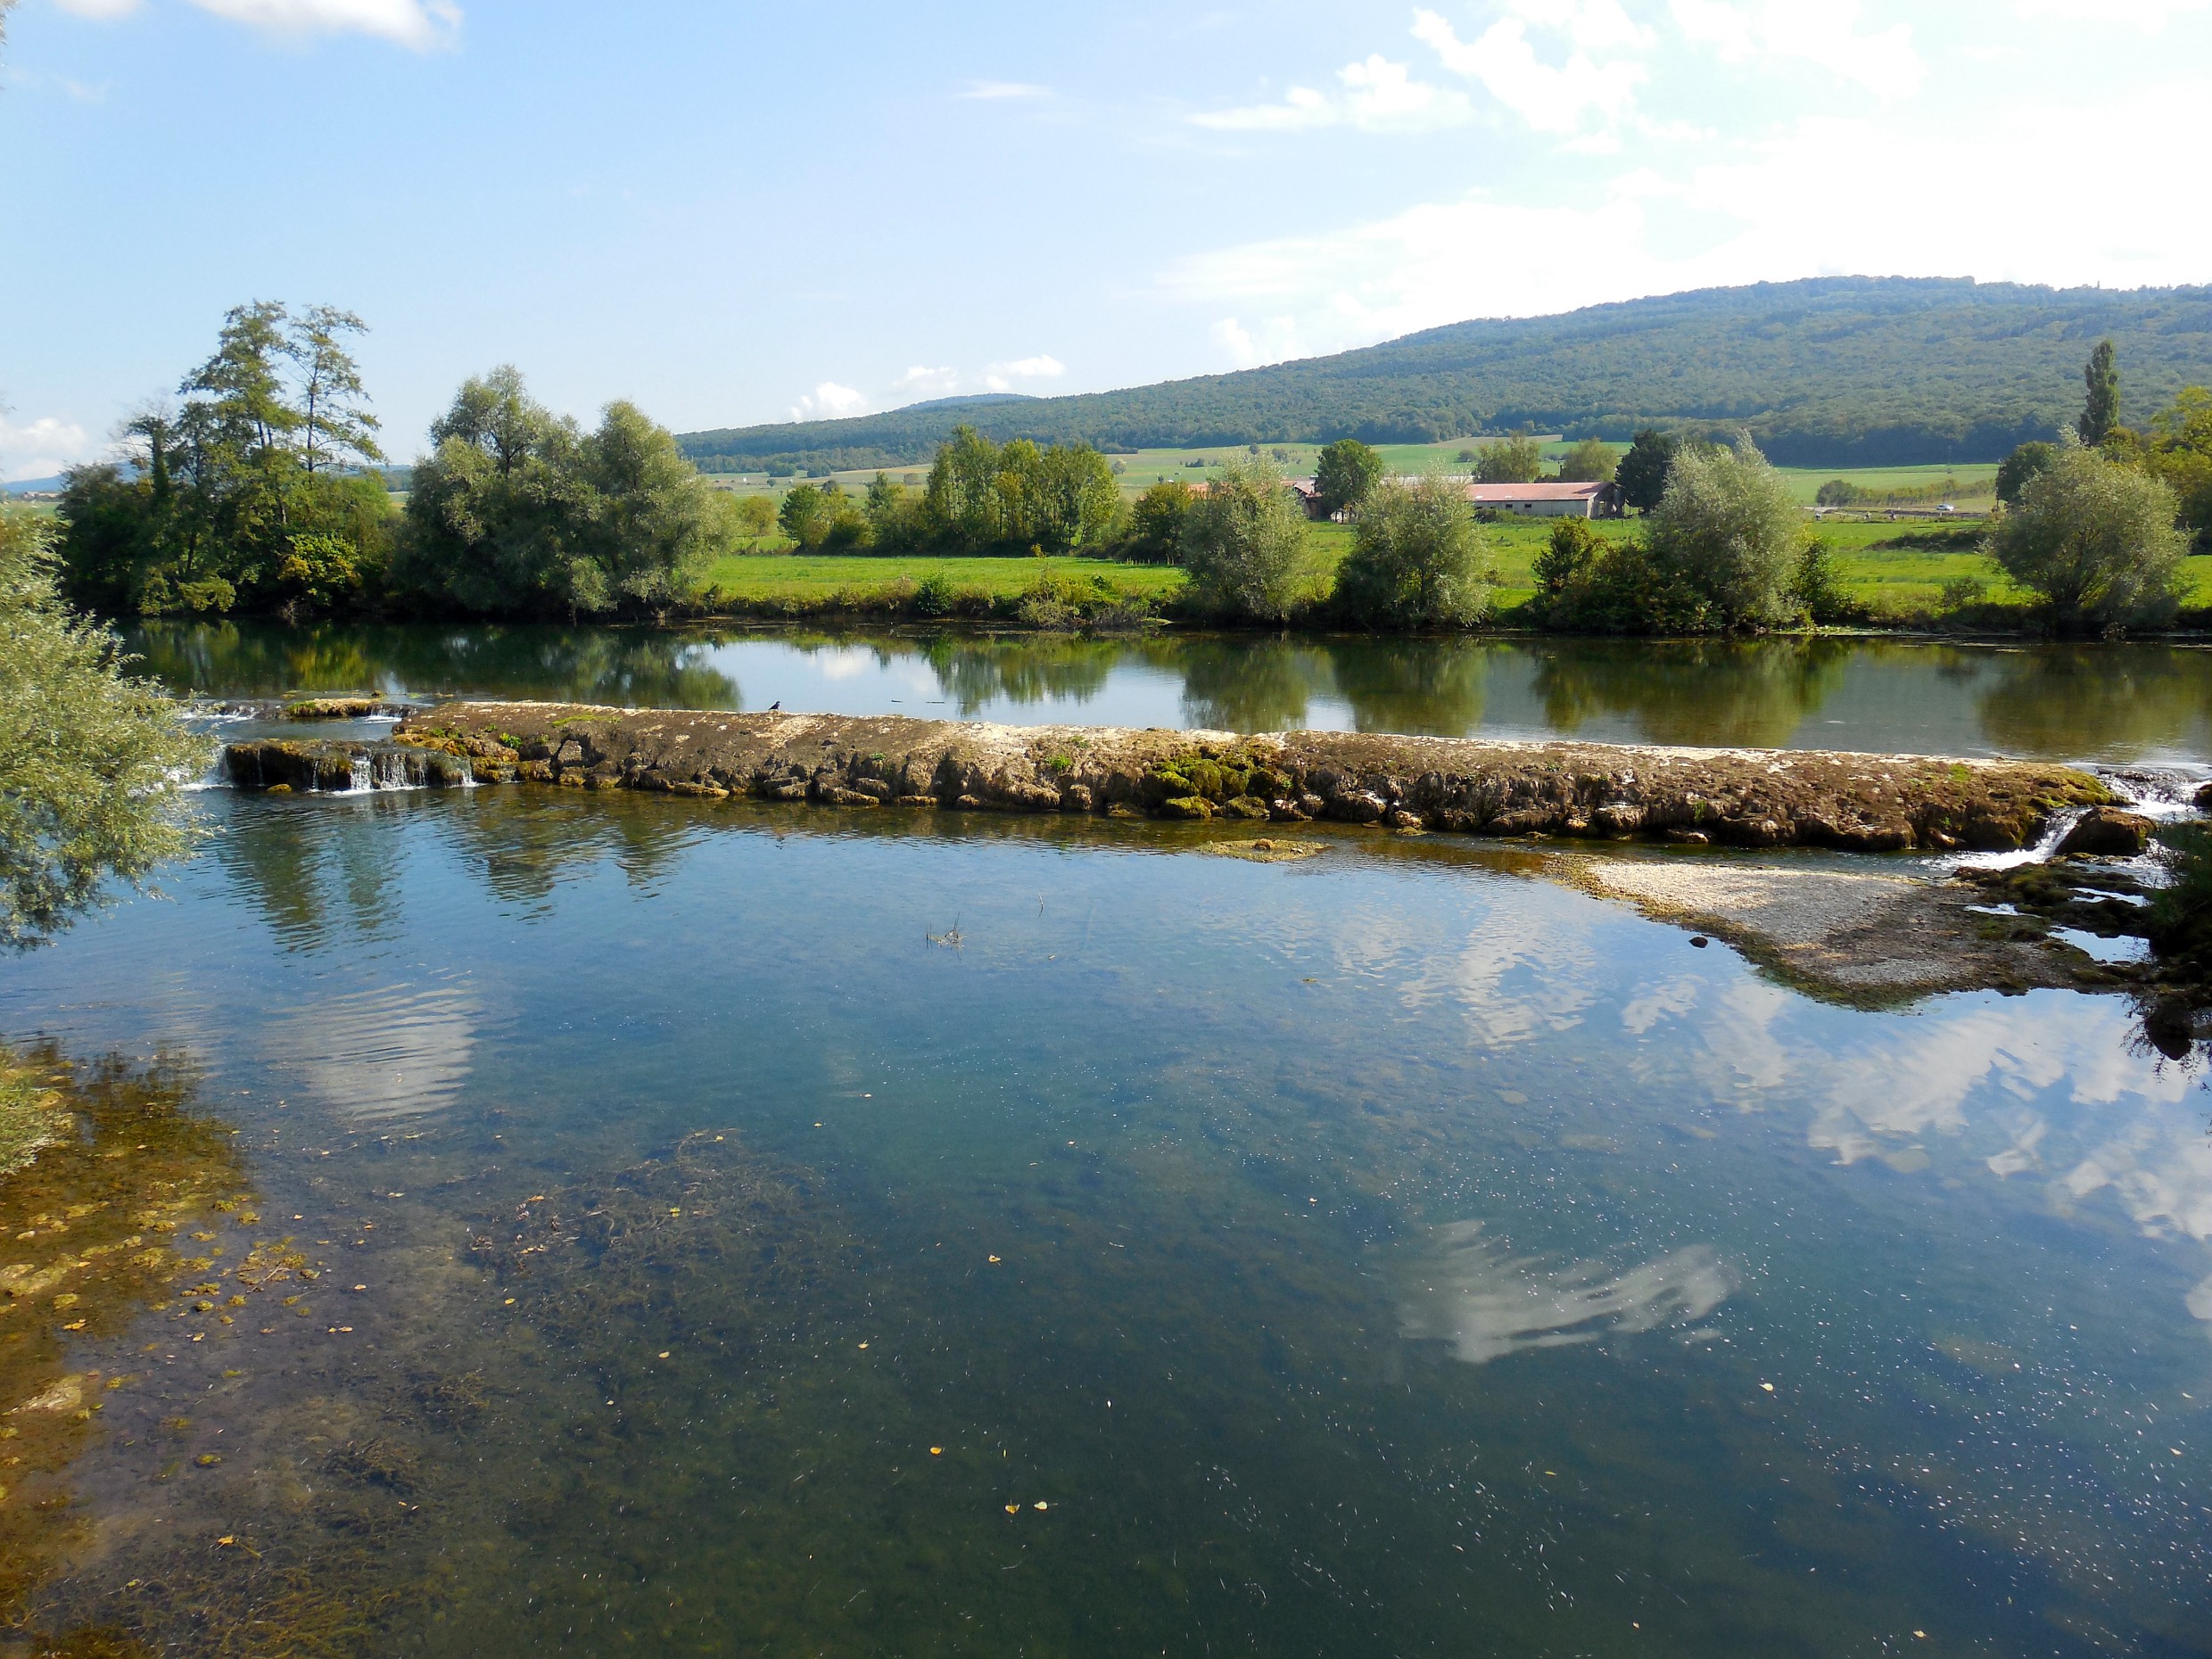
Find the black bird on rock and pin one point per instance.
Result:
(775, 705)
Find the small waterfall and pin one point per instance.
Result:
(2055, 831)
(383, 767)
(342, 767)
(2154, 792)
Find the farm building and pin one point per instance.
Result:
(1549, 501)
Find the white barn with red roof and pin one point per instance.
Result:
(1549, 501)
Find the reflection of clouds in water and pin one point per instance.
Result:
(1488, 1304)
(1513, 984)
(399, 1051)
(1736, 1048)
(844, 662)
(2049, 1086)
(1668, 998)
(1921, 1083)
(2159, 1168)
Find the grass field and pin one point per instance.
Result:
(813, 577)
(1918, 577)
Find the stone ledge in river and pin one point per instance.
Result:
(1729, 797)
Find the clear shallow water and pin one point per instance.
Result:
(2118, 703)
(1394, 1254)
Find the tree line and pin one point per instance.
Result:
(259, 490)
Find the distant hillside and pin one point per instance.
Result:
(1846, 371)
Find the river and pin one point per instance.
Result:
(2124, 704)
(741, 1229)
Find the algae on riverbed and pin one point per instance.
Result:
(118, 1172)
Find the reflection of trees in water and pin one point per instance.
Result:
(316, 865)
(1709, 692)
(2108, 700)
(975, 672)
(325, 871)
(1433, 687)
(1248, 685)
(634, 666)
(527, 841)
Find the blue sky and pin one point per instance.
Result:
(736, 213)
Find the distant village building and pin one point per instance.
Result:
(1549, 500)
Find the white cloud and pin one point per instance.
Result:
(829, 401)
(997, 91)
(1551, 99)
(2151, 15)
(1001, 376)
(1378, 96)
(1438, 262)
(41, 449)
(420, 24)
(921, 382)
(1270, 340)
(1738, 219)
(1886, 64)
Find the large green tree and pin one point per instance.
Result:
(335, 426)
(1346, 475)
(252, 492)
(2179, 450)
(2027, 462)
(1729, 529)
(2097, 540)
(2100, 411)
(519, 512)
(982, 498)
(1417, 561)
(1591, 461)
(1644, 470)
(1244, 543)
(92, 761)
(1510, 460)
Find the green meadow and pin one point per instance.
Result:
(1902, 573)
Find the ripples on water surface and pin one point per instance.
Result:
(2143, 703)
(1385, 1254)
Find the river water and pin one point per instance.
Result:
(753, 1230)
(2129, 704)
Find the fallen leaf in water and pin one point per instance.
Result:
(995, 1260)
(937, 1451)
(1043, 1506)
(1768, 1386)
(1014, 1509)
(227, 1542)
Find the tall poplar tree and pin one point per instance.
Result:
(2101, 414)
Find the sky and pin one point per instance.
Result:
(734, 213)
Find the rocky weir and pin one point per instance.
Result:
(1725, 797)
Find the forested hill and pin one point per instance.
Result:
(1832, 372)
